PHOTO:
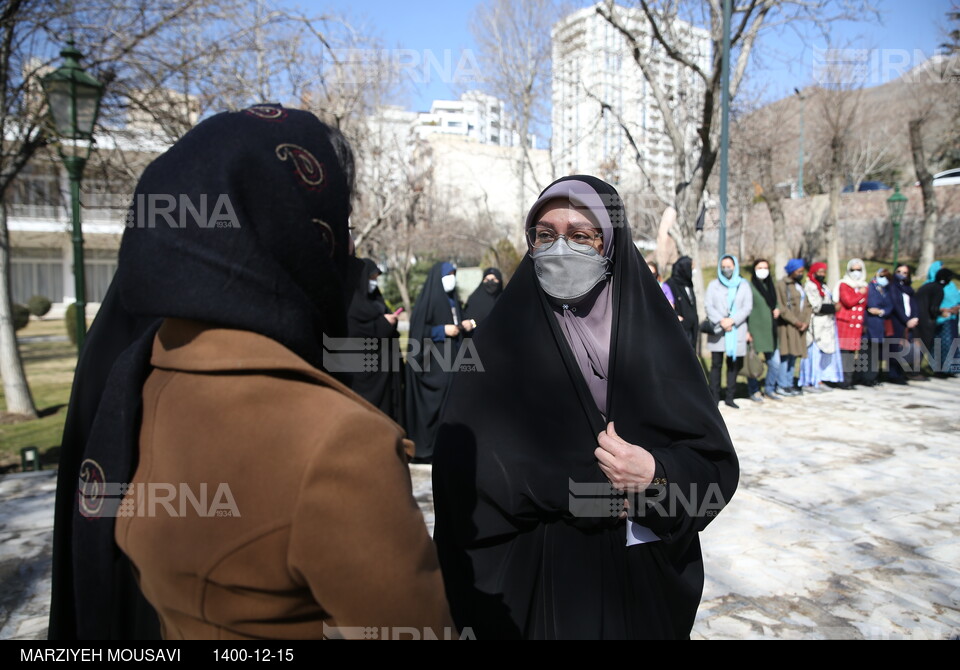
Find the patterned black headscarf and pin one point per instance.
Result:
(241, 224)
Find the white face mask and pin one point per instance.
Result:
(763, 274)
(449, 283)
(856, 274)
(373, 286)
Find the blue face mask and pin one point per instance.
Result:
(882, 281)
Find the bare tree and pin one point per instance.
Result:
(513, 38)
(165, 66)
(657, 34)
(31, 32)
(839, 111)
(935, 118)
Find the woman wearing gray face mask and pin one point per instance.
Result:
(590, 400)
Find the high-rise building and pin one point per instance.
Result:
(598, 88)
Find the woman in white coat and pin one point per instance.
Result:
(729, 302)
(824, 362)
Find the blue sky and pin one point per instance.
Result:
(784, 62)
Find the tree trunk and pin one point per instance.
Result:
(404, 290)
(831, 233)
(774, 203)
(19, 400)
(928, 243)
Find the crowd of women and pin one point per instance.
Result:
(571, 478)
(842, 338)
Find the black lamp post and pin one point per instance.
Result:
(896, 203)
(74, 100)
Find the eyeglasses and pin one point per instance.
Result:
(543, 238)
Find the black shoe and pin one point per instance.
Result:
(730, 403)
(918, 378)
(772, 397)
(899, 381)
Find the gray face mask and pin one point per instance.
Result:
(569, 272)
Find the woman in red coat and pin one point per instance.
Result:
(851, 308)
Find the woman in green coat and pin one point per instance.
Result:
(762, 330)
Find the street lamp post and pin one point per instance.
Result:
(896, 203)
(724, 125)
(74, 100)
(803, 101)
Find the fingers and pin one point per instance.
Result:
(612, 431)
(611, 444)
(607, 460)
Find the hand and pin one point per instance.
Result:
(863, 290)
(467, 325)
(776, 313)
(391, 319)
(955, 310)
(451, 330)
(628, 467)
(749, 338)
(726, 324)
(679, 317)
(803, 327)
(912, 323)
(876, 311)
(946, 313)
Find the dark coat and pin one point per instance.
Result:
(929, 297)
(879, 298)
(899, 316)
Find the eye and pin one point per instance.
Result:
(581, 238)
(545, 236)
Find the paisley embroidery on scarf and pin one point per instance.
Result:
(327, 233)
(309, 169)
(92, 488)
(267, 112)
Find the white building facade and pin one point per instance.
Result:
(475, 115)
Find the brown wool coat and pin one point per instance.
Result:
(327, 532)
(790, 340)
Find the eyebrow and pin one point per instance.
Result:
(573, 226)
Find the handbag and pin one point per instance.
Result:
(753, 366)
(828, 308)
(709, 327)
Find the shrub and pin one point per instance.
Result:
(21, 317)
(39, 306)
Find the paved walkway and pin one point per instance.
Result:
(845, 524)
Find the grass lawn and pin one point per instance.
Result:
(50, 367)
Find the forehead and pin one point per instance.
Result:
(565, 213)
(727, 261)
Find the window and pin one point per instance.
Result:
(36, 272)
(99, 266)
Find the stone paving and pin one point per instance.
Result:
(845, 524)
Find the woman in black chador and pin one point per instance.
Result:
(368, 316)
(681, 284)
(436, 330)
(573, 475)
(481, 301)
